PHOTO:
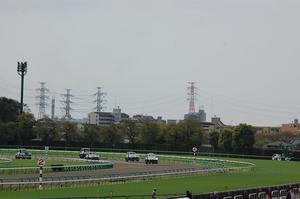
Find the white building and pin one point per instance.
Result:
(106, 118)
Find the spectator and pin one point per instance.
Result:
(154, 196)
(289, 194)
(268, 195)
(215, 196)
(189, 194)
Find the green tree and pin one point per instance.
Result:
(130, 130)
(191, 132)
(9, 110)
(226, 139)
(9, 133)
(150, 132)
(111, 134)
(244, 137)
(91, 135)
(47, 130)
(172, 134)
(25, 124)
(70, 132)
(214, 139)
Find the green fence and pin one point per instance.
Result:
(28, 170)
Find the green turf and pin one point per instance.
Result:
(267, 173)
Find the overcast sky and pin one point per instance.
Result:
(243, 55)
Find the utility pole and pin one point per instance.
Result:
(67, 104)
(53, 108)
(192, 96)
(99, 100)
(43, 98)
(22, 71)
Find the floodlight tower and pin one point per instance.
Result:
(192, 92)
(22, 71)
(53, 108)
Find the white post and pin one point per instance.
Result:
(41, 178)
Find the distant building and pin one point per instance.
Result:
(217, 121)
(117, 114)
(215, 125)
(106, 118)
(293, 145)
(276, 145)
(208, 127)
(143, 118)
(148, 118)
(161, 120)
(200, 116)
(266, 130)
(293, 127)
(101, 118)
(172, 121)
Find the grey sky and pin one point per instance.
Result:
(243, 55)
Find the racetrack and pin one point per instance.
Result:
(121, 172)
(121, 168)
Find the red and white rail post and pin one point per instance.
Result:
(41, 164)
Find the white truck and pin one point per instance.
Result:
(279, 157)
(276, 157)
(92, 156)
(131, 157)
(23, 154)
(151, 159)
(84, 152)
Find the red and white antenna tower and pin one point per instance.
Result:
(192, 96)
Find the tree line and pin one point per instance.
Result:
(21, 129)
(237, 139)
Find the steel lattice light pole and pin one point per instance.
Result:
(22, 70)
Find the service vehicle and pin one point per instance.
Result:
(132, 156)
(23, 154)
(92, 156)
(151, 159)
(276, 157)
(84, 152)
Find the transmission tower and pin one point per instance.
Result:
(67, 103)
(99, 100)
(192, 92)
(43, 100)
(53, 108)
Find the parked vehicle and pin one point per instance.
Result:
(276, 157)
(23, 154)
(151, 159)
(92, 156)
(132, 156)
(84, 152)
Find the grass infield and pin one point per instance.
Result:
(266, 173)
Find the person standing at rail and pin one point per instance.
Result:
(154, 195)
(188, 194)
(289, 194)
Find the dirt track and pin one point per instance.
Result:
(121, 168)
